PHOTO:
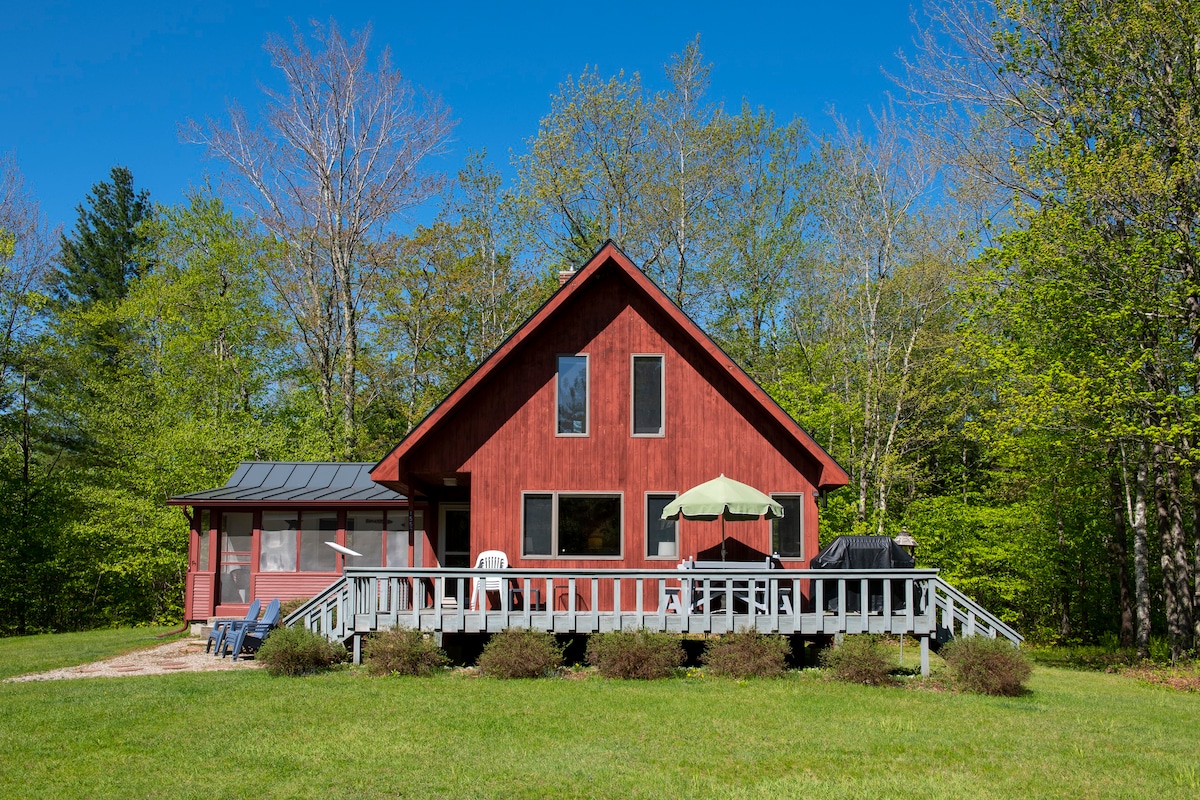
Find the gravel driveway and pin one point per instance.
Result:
(181, 655)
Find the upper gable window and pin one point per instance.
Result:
(648, 391)
(572, 393)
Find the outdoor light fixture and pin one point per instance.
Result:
(450, 481)
(906, 540)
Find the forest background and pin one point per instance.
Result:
(984, 304)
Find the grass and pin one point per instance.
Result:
(243, 733)
(22, 654)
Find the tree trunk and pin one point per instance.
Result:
(1182, 627)
(1119, 546)
(1141, 559)
(1166, 560)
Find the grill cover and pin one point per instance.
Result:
(863, 552)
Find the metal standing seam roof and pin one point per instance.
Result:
(297, 482)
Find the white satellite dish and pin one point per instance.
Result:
(346, 551)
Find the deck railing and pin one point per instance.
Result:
(810, 602)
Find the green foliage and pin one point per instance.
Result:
(859, 659)
(987, 666)
(746, 654)
(297, 651)
(520, 653)
(288, 606)
(635, 655)
(403, 651)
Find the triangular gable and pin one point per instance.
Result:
(387, 471)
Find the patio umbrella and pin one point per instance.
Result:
(724, 498)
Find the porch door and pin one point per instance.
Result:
(454, 541)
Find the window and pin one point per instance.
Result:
(397, 536)
(572, 525)
(364, 534)
(662, 535)
(572, 394)
(237, 534)
(648, 395)
(296, 539)
(787, 534)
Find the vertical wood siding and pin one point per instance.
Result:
(504, 434)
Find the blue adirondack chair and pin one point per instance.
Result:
(222, 627)
(247, 638)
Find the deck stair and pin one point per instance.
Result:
(916, 602)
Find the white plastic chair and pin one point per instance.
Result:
(488, 559)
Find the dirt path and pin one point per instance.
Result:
(182, 655)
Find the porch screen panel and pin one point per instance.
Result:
(397, 536)
(364, 534)
(277, 546)
(237, 536)
(315, 530)
(204, 533)
(647, 395)
(662, 535)
(787, 534)
(538, 539)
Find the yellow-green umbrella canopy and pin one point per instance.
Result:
(724, 498)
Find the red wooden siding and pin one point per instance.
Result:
(201, 588)
(503, 434)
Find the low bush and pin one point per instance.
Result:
(638, 655)
(859, 659)
(746, 654)
(298, 651)
(403, 651)
(986, 666)
(520, 653)
(288, 606)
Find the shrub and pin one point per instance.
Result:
(746, 654)
(859, 659)
(987, 666)
(288, 606)
(519, 653)
(639, 655)
(403, 651)
(298, 651)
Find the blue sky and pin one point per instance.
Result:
(86, 85)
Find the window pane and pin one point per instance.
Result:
(662, 535)
(589, 526)
(647, 394)
(277, 549)
(315, 555)
(235, 583)
(397, 537)
(786, 534)
(572, 394)
(364, 534)
(539, 519)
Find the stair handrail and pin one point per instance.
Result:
(962, 602)
(338, 592)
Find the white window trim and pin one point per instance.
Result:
(662, 397)
(801, 496)
(587, 405)
(646, 528)
(555, 556)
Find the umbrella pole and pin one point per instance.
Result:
(722, 537)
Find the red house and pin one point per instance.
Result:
(560, 450)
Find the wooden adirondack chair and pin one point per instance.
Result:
(248, 638)
(222, 627)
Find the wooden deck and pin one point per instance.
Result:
(805, 602)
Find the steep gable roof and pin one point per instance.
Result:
(388, 469)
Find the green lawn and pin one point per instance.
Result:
(244, 733)
(22, 654)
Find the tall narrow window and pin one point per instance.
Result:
(237, 533)
(539, 525)
(572, 395)
(787, 534)
(662, 535)
(647, 395)
(203, 535)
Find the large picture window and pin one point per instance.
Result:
(787, 534)
(572, 525)
(572, 395)
(662, 535)
(648, 395)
